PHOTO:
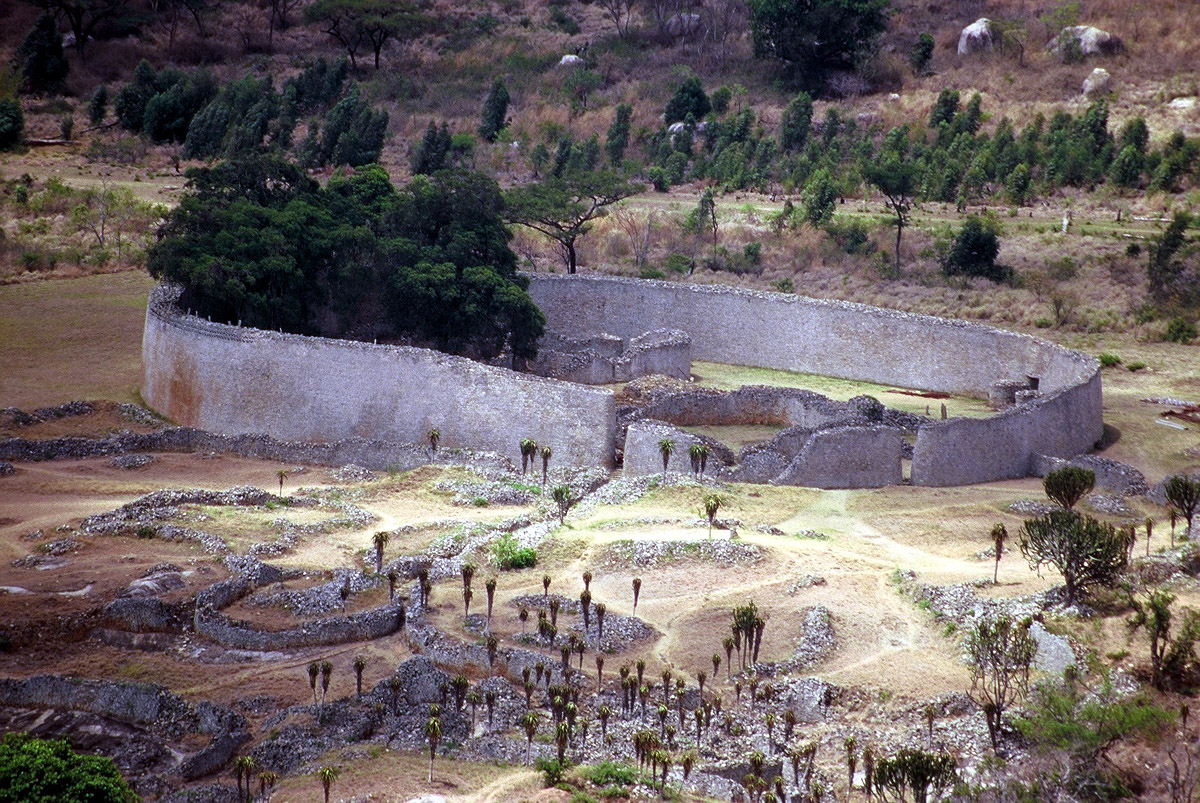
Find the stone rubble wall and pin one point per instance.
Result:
(233, 380)
(1063, 418)
(603, 359)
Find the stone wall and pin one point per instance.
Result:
(852, 341)
(372, 624)
(602, 359)
(847, 457)
(233, 380)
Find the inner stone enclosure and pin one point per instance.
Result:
(234, 380)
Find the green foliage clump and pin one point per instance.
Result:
(975, 250)
(689, 98)
(1085, 723)
(49, 771)
(811, 37)
(1069, 484)
(921, 53)
(820, 197)
(509, 554)
(161, 104)
(1108, 360)
(259, 242)
(1180, 330)
(98, 105)
(552, 770)
(1085, 551)
(41, 57)
(796, 123)
(12, 124)
(617, 138)
(495, 111)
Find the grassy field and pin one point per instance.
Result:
(72, 339)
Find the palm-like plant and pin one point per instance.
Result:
(712, 504)
(282, 475)
(326, 674)
(393, 577)
(314, 669)
(547, 453)
(528, 448)
(433, 732)
(266, 783)
(563, 501)
(529, 721)
(435, 437)
(999, 534)
(490, 587)
(474, 699)
(360, 663)
(545, 585)
(666, 448)
(328, 775)
(694, 457)
(380, 540)
(601, 611)
(637, 591)
(243, 767)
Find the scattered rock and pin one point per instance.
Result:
(353, 473)
(131, 461)
(6, 469)
(1178, 104)
(721, 551)
(571, 60)
(1054, 653)
(1098, 83)
(806, 581)
(978, 37)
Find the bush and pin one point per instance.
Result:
(552, 770)
(1134, 367)
(921, 53)
(689, 98)
(609, 773)
(509, 554)
(48, 769)
(974, 251)
(1108, 360)
(1180, 330)
(12, 124)
(851, 236)
(677, 263)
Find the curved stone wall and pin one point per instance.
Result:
(853, 341)
(234, 380)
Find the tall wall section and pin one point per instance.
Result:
(234, 380)
(853, 341)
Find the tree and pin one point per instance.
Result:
(975, 250)
(637, 591)
(712, 503)
(1172, 655)
(495, 111)
(360, 663)
(999, 535)
(666, 447)
(1085, 551)
(796, 123)
(914, 772)
(98, 105)
(921, 53)
(380, 540)
(689, 98)
(356, 24)
(529, 723)
(810, 37)
(564, 209)
(1069, 484)
(820, 197)
(617, 138)
(49, 771)
(41, 58)
(563, 501)
(621, 14)
(895, 174)
(433, 733)
(85, 16)
(703, 219)
(546, 453)
(12, 123)
(1183, 495)
(327, 775)
(1001, 651)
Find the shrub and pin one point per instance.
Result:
(12, 124)
(784, 285)
(658, 178)
(552, 770)
(921, 53)
(509, 554)
(689, 98)
(495, 110)
(1133, 250)
(48, 769)
(563, 21)
(1180, 330)
(609, 773)
(974, 251)
(1134, 367)
(1108, 360)
(677, 263)
(98, 105)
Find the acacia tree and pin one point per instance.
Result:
(356, 24)
(1085, 551)
(564, 208)
(85, 16)
(1001, 652)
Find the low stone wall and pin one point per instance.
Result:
(364, 626)
(233, 380)
(603, 359)
(643, 456)
(1061, 414)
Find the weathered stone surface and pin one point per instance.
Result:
(570, 60)
(1086, 40)
(1054, 653)
(978, 37)
(847, 457)
(1099, 82)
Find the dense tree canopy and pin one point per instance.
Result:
(810, 37)
(257, 241)
(48, 771)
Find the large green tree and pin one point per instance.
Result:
(810, 37)
(85, 16)
(256, 241)
(563, 208)
(49, 771)
(896, 174)
(370, 24)
(41, 57)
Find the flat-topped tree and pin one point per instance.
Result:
(564, 209)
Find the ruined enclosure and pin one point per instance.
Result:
(235, 380)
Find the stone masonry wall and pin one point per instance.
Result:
(853, 341)
(233, 380)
